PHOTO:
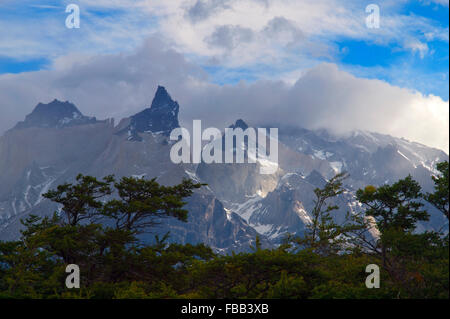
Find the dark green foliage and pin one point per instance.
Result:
(406, 256)
(81, 201)
(324, 236)
(394, 206)
(330, 263)
(440, 196)
(142, 202)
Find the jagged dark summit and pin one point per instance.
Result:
(161, 117)
(239, 124)
(55, 114)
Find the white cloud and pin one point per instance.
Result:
(417, 46)
(323, 97)
(191, 25)
(31, 35)
(326, 97)
(292, 36)
(261, 31)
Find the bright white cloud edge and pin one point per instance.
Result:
(323, 97)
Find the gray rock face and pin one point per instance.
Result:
(55, 114)
(161, 117)
(212, 224)
(287, 209)
(369, 158)
(235, 182)
(36, 159)
(56, 142)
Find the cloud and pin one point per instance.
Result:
(282, 28)
(193, 25)
(44, 6)
(441, 2)
(417, 46)
(36, 30)
(249, 39)
(101, 85)
(229, 37)
(203, 9)
(326, 97)
(119, 85)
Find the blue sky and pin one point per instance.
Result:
(37, 36)
(363, 55)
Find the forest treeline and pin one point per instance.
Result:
(100, 222)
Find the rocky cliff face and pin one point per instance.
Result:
(369, 158)
(161, 117)
(41, 154)
(56, 142)
(55, 114)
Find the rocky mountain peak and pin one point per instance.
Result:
(56, 114)
(239, 124)
(162, 99)
(161, 117)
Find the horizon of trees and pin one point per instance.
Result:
(100, 221)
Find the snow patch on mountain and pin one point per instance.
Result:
(246, 209)
(337, 166)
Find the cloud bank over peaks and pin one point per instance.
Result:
(326, 97)
(119, 85)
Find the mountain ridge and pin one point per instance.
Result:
(56, 114)
(237, 205)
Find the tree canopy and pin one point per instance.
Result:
(98, 227)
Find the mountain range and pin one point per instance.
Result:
(56, 142)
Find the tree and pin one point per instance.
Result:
(82, 200)
(395, 206)
(440, 196)
(323, 234)
(115, 264)
(142, 203)
(34, 266)
(396, 209)
(138, 203)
